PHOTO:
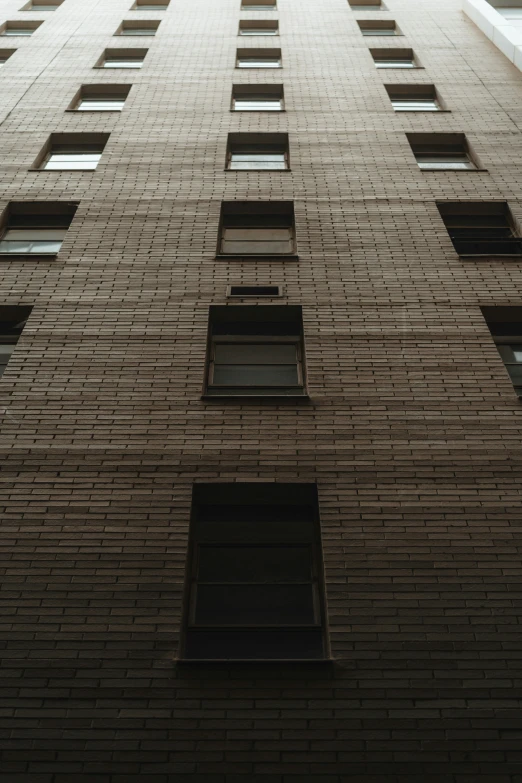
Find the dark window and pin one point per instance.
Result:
(5, 54)
(441, 151)
(150, 5)
(12, 321)
(257, 151)
(255, 351)
(35, 228)
(142, 27)
(122, 58)
(14, 29)
(414, 97)
(378, 27)
(254, 290)
(100, 97)
(258, 27)
(258, 5)
(255, 573)
(481, 228)
(258, 58)
(505, 325)
(257, 228)
(365, 5)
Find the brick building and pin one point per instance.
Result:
(261, 325)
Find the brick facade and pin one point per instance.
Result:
(412, 432)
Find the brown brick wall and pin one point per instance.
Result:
(413, 431)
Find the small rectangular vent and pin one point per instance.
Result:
(254, 290)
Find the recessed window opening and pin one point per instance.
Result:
(414, 97)
(481, 228)
(258, 58)
(12, 322)
(257, 97)
(101, 97)
(394, 58)
(505, 325)
(150, 5)
(509, 9)
(5, 54)
(441, 151)
(73, 151)
(255, 573)
(19, 28)
(258, 5)
(378, 27)
(143, 27)
(42, 5)
(365, 5)
(260, 27)
(35, 228)
(257, 151)
(257, 228)
(122, 58)
(245, 291)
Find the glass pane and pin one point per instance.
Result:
(123, 63)
(415, 105)
(254, 605)
(258, 248)
(439, 162)
(255, 353)
(257, 163)
(517, 353)
(257, 63)
(63, 162)
(255, 375)
(89, 104)
(515, 372)
(138, 31)
(38, 246)
(257, 31)
(13, 31)
(378, 31)
(257, 105)
(395, 64)
(6, 349)
(257, 234)
(262, 564)
(33, 234)
(510, 13)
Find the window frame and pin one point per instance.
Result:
(257, 26)
(271, 209)
(35, 216)
(253, 92)
(275, 143)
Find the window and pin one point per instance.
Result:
(12, 322)
(481, 228)
(258, 5)
(257, 97)
(246, 291)
(35, 228)
(100, 97)
(255, 573)
(507, 10)
(255, 351)
(150, 5)
(143, 27)
(414, 97)
(257, 228)
(378, 27)
(19, 28)
(394, 58)
(72, 151)
(258, 58)
(122, 58)
(505, 325)
(5, 54)
(365, 5)
(42, 5)
(257, 151)
(441, 151)
(261, 27)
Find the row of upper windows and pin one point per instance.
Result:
(256, 350)
(263, 228)
(147, 5)
(245, 151)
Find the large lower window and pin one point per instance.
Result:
(255, 351)
(441, 151)
(481, 228)
(257, 228)
(72, 152)
(505, 325)
(257, 151)
(255, 586)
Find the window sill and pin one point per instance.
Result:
(257, 398)
(27, 256)
(254, 257)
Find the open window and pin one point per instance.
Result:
(255, 586)
(481, 228)
(100, 97)
(394, 58)
(441, 151)
(257, 97)
(414, 97)
(72, 152)
(505, 325)
(12, 322)
(35, 228)
(257, 152)
(257, 228)
(255, 350)
(258, 58)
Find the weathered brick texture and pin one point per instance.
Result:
(413, 432)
